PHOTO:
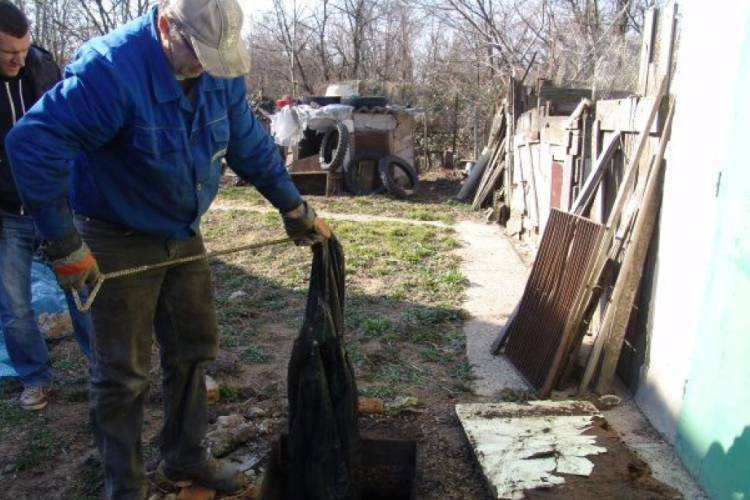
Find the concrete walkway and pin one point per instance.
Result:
(497, 275)
(497, 269)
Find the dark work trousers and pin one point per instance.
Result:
(176, 303)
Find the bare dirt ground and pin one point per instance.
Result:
(50, 455)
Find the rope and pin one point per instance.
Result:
(83, 307)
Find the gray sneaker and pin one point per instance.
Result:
(215, 475)
(35, 398)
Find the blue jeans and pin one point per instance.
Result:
(24, 341)
(173, 305)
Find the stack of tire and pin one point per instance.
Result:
(366, 173)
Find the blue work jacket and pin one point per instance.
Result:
(120, 140)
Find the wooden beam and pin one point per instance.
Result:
(623, 194)
(631, 271)
(586, 195)
(647, 50)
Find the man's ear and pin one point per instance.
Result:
(162, 23)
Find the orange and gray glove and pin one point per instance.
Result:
(74, 270)
(307, 228)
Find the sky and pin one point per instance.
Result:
(253, 7)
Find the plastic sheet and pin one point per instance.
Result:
(289, 123)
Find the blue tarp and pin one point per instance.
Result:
(46, 296)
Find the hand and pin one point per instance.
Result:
(304, 226)
(76, 270)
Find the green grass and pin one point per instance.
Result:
(255, 354)
(72, 364)
(41, 449)
(404, 288)
(12, 416)
(227, 394)
(414, 208)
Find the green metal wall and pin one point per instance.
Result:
(713, 434)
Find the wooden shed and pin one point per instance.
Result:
(380, 131)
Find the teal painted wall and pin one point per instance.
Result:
(713, 433)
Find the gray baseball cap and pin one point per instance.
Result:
(214, 28)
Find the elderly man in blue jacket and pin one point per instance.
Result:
(138, 127)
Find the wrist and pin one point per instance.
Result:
(298, 212)
(57, 249)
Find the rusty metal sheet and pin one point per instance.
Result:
(535, 339)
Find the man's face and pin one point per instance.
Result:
(184, 59)
(13, 53)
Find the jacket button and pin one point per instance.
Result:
(199, 186)
(193, 141)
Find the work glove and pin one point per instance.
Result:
(307, 229)
(77, 269)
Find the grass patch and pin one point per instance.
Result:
(404, 288)
(71, 364)
(227, 394)
(376, 326)
(12, 416)
(378, 391)
(255, 354)
(88, 482)
(40, 451)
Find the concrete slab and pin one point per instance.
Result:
(531, 445)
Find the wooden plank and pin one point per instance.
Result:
(490, 185)
(373, 121)
(496, 149)
(668, 17)
(554, 131)
(631, 271)
(640, 115)
(307, 164)
(567, 183)
(614, 216)
(647, 49)
(402, 140)
(537, 215)
(490, 176)
(586, 194)
(616, 114)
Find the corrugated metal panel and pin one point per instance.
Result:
(556, 280)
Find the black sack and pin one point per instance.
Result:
(324, 443)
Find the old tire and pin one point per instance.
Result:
(398, 177)
(361, 174)
(333, 147)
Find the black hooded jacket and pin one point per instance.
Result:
(17, 95)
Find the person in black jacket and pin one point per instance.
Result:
(26, 72)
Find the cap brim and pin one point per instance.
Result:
(222, 63)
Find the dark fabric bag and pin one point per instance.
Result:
(324, 442)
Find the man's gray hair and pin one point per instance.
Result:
(164, 7)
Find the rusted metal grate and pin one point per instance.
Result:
(535, 337)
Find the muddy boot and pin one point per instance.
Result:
(214, 474)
